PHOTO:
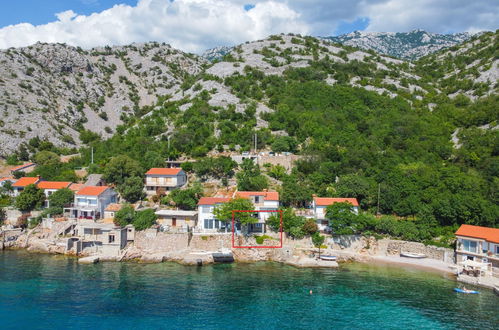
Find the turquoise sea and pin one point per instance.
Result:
(55, 292)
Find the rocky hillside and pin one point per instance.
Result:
(217, 53)
(405, 45)
(53, 91)
(471, 69)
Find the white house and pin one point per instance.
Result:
(206, 220)
(478, 246)
(263, 201)
(91, 201)
(50, 187)
(20, 184)
(177, 220)
(319, 205)
(160, 180)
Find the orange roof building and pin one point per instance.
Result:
(163, 171)
(25, 181)
(326, 201)
(212, 200)
(477, 248)
(55, 185)
(484, 233)
(28, 167)
(267, 195)
(92, 190)
(161, 180)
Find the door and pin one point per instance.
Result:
(174, 222)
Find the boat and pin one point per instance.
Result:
(328, 258)
(466, 291)
(412, 255)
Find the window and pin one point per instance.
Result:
(208, 223)
(92, 202)
(111, 238)
(257, 199)
(206, 209)
(81, 201)
(470, 246)
(497, 249)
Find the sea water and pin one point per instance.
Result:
(54, 292)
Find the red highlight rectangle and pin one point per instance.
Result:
(258, 247)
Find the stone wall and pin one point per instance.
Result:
(394, 247)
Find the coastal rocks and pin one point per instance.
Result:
(152, 258)
(303, 261)
(89, 260)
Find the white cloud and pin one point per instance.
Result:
(194, 25)
(191, 25)
(442, 16)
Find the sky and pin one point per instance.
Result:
(196, 25)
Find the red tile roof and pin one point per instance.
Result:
(326, 201)
(7, 178)
(76, 186)
(163, 171)
(53, 184)
(24, 181)
(486, 233)
(20, 167)
(92, 190)
(267, 195)
(212, 200)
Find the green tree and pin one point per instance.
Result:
(47, 158)
(223, 212)
(30, 198)
(124, 216)
(291, 223)
(132, 189)
(60, 198)
(250, 178)
(284, 143)
(144, 219)
(341, 218)
(6, 188)
(318, 240)
(295, 192)
(309, 227)
(121, 167)
(187, 199)
(277, 172)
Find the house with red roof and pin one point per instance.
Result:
(479, 245)
(50, 187)
(206, 219)
(263, 201)
(161, 180)
(26, 168)
(20, 184)
(90, 202)
(319, 205)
